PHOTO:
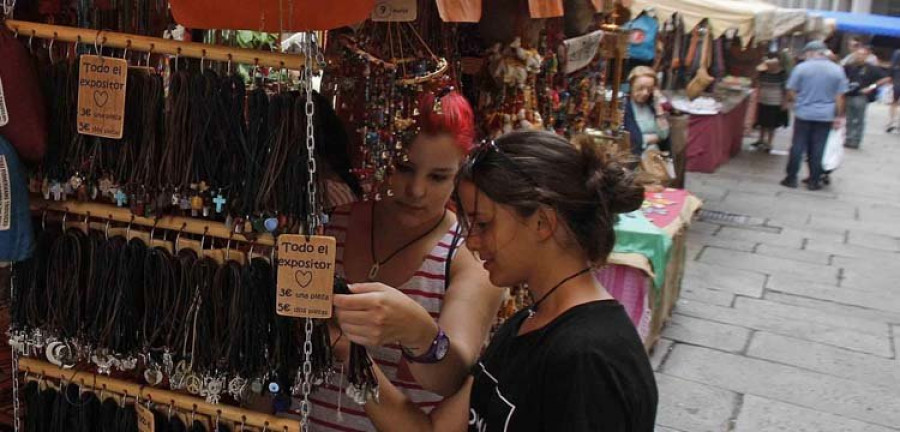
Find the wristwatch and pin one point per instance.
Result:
(439, 348)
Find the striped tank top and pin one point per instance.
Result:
(425, 287)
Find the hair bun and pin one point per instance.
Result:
(606, 174)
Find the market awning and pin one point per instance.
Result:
(870, 24)
(722, 14)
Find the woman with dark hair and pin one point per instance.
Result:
(422, 303)
(539, 212)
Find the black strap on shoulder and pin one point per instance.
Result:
(454, 244)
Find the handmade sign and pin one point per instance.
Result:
(394, 11)
(145, 420)
(101, 96)
(305, 276)
(4, 113)
(581, 50)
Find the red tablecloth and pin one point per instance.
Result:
(714, 139)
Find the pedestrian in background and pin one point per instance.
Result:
(816, 89)
(894, 122)
(772, 107)
(864, 80)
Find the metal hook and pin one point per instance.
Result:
(171, 407)
(50, 48)
(177, 57)
(229, 64)
(202, 59)
(153, 230)
(102, 393)
(127, 47)
(178, 236)
(124, 399)
(250, 252)
(193, 413)
(87, 221)
(149, 53)
(75, 49)
(30, 41)
(228, 245)
(243, 423)
(65, 216)
(218, 417)
(98, 48)
(44, 219)
(203, 239)
(128, 230)
(106, 229)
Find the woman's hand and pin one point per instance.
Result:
(376, 315)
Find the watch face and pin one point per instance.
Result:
(443, 346)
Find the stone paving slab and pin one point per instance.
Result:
(846, 250)
(716, 297)
(838, 310)
(768, 265)
(692, 406)
(767, 415)
(793, 254)
(740, 374)
(826, 359)
(725, 337)
(768, 307)
(871, 297)
(760, 319)
(743, 282)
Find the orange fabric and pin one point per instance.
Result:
(264, 14)
(545, 8)
(460, 10)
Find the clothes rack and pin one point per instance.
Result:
(161, 397)
(102, 38)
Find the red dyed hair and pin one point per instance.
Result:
(455, 118)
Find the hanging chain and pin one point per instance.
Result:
(15, 358)
(312, 221)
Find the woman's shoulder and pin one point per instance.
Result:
(599, 328)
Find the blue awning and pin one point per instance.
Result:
(861, 23)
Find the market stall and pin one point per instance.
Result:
(716, 127)
(184, 193)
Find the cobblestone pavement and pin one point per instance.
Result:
(790, 319)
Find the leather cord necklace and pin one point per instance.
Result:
(534, 306)
(376, 264)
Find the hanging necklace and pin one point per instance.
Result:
(376, 264)
(533, 308)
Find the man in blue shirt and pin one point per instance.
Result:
(816, 87)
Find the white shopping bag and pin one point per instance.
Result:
(834, 149)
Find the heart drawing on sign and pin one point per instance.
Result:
(101, 97)
(303, 277)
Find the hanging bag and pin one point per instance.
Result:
(834, 149)
(702, 79)
(23, 119)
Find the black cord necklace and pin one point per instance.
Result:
(376, 264)
(534, 307)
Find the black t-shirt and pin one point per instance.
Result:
(862, 76)
(585, 371)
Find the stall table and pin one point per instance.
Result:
(647, 264)
(714, 139)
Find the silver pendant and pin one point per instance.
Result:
(104, 362)
(256, 386)
(373, 271)
(128, 364)
(237, 387)
(212, 389)
(153, 376)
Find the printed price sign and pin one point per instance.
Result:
(581, 50)
(305, 276)
(145, 419)
(101, 96)
(394, 11)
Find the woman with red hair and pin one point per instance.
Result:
(421, 302)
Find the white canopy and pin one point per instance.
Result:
(750, 18)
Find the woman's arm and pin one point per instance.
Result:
(377, 314)
(469, 309)
(395, 412)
